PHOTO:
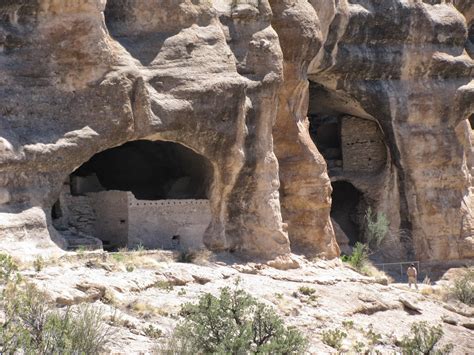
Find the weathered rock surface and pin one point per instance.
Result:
(404, 65)
(342, 299)
(229, 80)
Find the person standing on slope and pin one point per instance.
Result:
(412, 275)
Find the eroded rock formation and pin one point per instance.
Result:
(229, 80)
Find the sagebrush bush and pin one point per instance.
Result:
(8, 267)
(423, 339)
(32, 326)
(333, 338)
(233, 323)
(307, 291)
(38, 264)
(463, 287)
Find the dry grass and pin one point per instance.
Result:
(194, 256)
(437, 292)
(138, 259)
(368, 269)
(146, 310)
(203, 257)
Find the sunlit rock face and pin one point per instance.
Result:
(234, 82)
(404, 65)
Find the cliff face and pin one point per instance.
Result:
(229, 80)
(404, 65)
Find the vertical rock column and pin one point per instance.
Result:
(305, 185)
(255, 226)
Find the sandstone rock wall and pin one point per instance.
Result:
(229, 80)
(403, 64)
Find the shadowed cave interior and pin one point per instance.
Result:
(150, 170)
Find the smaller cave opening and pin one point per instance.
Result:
(471, 121)
(56, 212)
(347, 210)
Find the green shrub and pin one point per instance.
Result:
(359, 347)
(38, 264)
(234, 322)
(164, 285)
(376, 228)
(359, 257)
(140, 248)
(153, 332)
(307, 291)
(8, 267)
(129, 268)
(373, 337)
(334, 338)
(186, 256)
(463, 288)
(423, 340)
(32, 326)
(348, 324)
(118, 257)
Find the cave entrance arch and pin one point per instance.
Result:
(348, 210)
(149, 193)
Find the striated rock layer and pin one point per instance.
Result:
(229, 80)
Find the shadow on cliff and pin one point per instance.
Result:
(144, 47)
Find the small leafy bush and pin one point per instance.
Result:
(164, 285)
(186, 256)
(423, 340)
(348, 324)
(359, 257)
(334, 338)
(32, 326)
(38, 264)
(235, 323)
(8, 267)
(373, 337)
(359, 347)
(376, 228)
(153, 332)
(140, 248)
(463, 287)
(307, 291)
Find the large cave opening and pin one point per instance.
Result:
(149, 193)
(149, 170)
(348, 209)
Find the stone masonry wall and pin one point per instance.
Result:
(119, 219)
(112, 217)
(363, 149)
(102, 215)
(154, 223)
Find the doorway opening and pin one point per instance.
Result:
(347, 210)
